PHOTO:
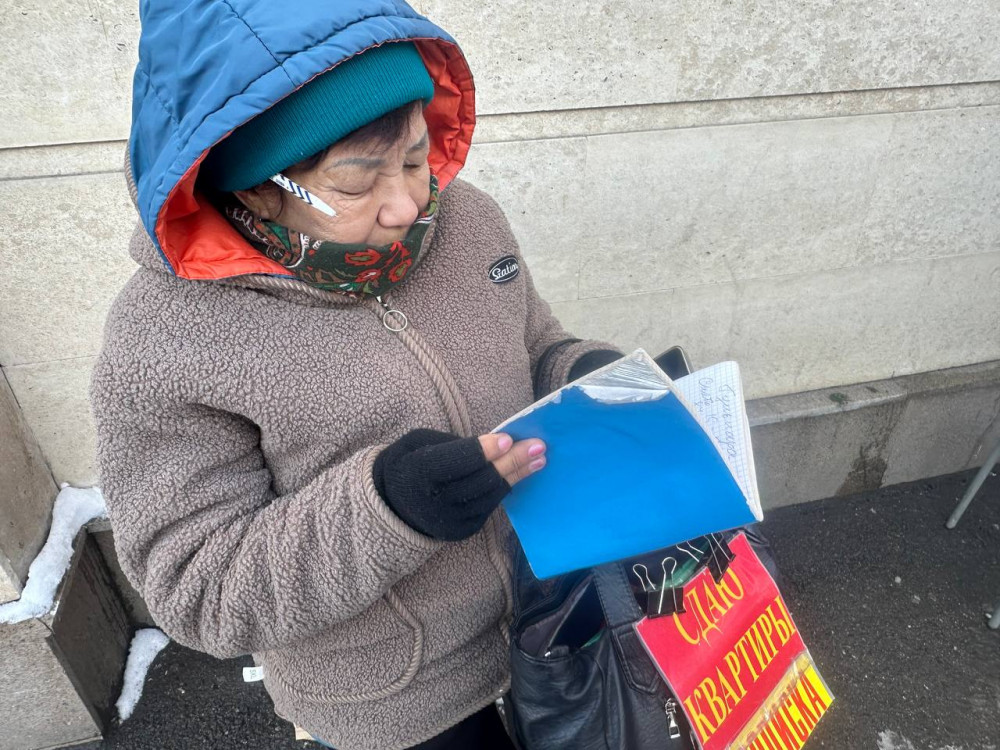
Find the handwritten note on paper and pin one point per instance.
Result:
(717, 394)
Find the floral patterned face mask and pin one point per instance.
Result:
(354, 269)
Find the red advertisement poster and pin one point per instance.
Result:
(736, 661)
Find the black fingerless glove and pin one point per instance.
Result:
(438, 484)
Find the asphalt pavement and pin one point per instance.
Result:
(891, 604)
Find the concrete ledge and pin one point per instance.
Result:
(62, 672)
(27, 492)
(838, 441)
(135, 607)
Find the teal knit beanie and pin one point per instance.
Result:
(319, 113)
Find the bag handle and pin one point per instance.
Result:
(615, 593)
(620, 612)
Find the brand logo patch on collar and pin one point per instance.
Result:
(503, 270)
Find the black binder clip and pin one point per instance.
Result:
(719, 557)
(664, 599)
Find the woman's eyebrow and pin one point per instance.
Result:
(422, 143)
(370, 163)
(358, 161)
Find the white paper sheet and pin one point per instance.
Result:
(717, 394)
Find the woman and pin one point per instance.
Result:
(297, 386)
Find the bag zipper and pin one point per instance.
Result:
(673, 728)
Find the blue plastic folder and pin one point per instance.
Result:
(625, 477)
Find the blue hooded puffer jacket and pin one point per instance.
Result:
(207, 66)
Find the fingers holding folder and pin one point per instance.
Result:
(513, 460)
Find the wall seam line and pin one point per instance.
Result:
(901, 261)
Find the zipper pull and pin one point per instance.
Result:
(673, 729)
(394, 320)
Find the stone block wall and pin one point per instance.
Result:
(809, 188)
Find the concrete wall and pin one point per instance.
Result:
(807, 187)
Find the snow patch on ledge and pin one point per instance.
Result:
(73, 508)
(146, 644)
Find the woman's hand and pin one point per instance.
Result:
(446, 487)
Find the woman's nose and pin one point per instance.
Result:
(398, 208)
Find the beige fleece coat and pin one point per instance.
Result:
(237, 426)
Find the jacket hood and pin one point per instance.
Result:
(207, 66)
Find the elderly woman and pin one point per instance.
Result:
(297, 385)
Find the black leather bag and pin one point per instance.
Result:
(580, 678)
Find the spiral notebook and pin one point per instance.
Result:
(636, 462)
